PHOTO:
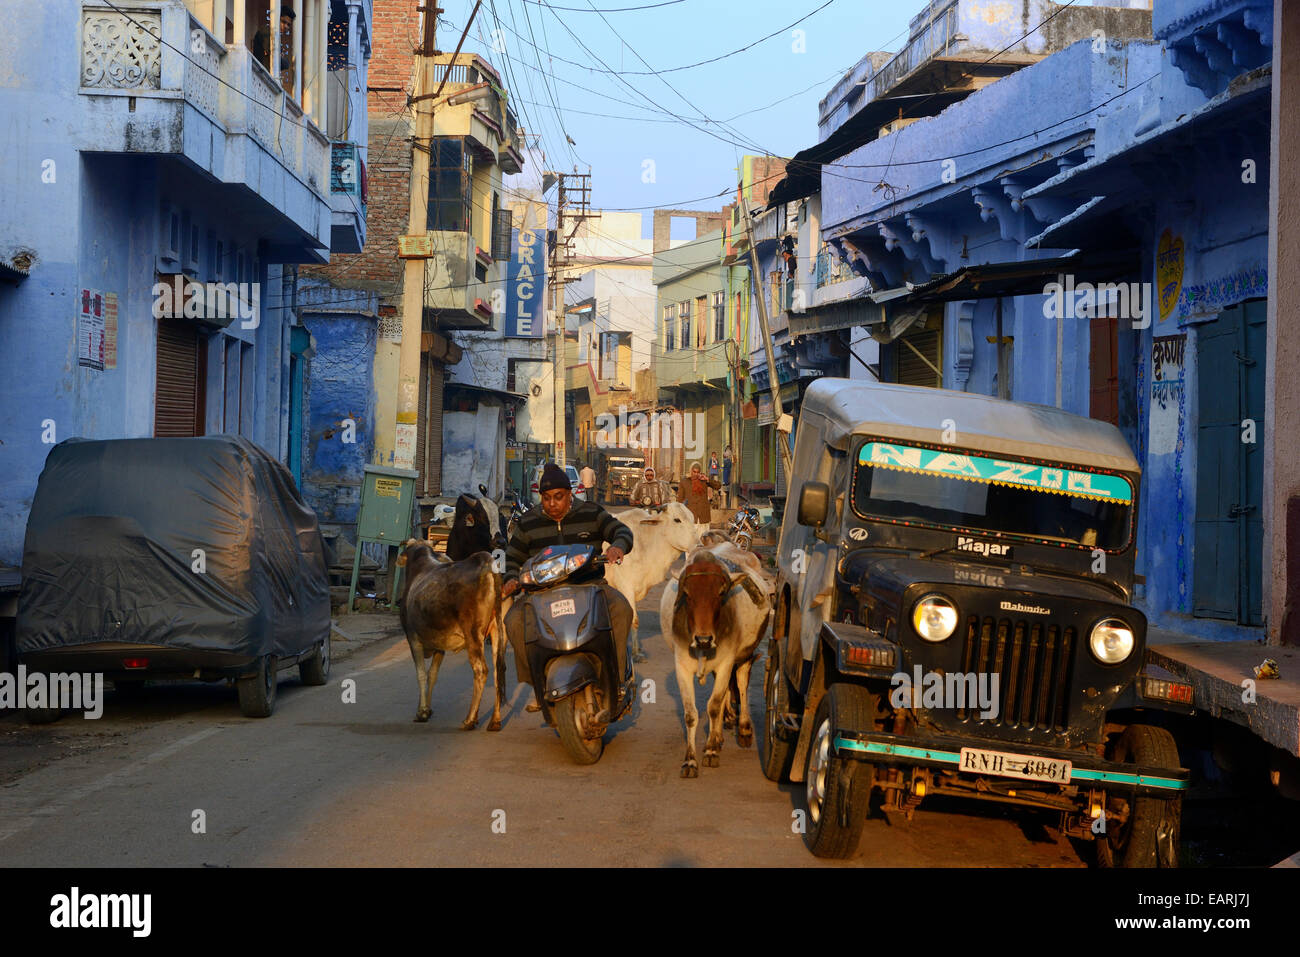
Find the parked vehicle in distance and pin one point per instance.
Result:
(173, 558)
(619, 471)
(953, 618)
(575, 484)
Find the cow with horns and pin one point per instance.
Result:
(714, 615)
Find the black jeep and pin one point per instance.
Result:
(953, 618)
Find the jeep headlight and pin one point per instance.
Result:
(1111, 641)
(934, 617)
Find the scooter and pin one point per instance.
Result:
(569, 655)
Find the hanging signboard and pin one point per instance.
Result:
(525, 283)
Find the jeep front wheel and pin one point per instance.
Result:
(1142, 831)
(837, 791)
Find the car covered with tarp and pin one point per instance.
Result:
(173, 558)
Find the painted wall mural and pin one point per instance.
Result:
(1207, 299)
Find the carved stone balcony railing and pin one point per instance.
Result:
(158, 54)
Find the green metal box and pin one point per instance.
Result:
(386, 498)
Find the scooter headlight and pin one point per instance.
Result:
(1111, 641)
(934, 617)
(548, 570)
(573, 563)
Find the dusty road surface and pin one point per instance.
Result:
(324, 782)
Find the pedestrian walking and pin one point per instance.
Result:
(715, 469)
(727, 456)
(694, 491)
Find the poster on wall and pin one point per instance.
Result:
(1167, 365)
(90, 330)
(110, 330)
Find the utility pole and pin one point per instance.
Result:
(784, 423)
(408, 362)
(572, 209)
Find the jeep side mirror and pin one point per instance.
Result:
(814, 503)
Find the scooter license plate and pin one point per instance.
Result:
(562, 607)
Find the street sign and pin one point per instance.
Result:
(414, 247)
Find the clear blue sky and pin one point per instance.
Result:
(766, 96)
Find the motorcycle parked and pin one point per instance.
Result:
(741, 528)
(569, 655)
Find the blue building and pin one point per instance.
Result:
(1059, 236)
(170, 166)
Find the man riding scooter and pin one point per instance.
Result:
(556, 521)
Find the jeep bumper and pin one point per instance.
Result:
(943, 753)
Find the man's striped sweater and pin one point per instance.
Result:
(586, 524)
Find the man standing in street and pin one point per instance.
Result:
(588, 479)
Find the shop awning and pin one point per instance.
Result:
(484, 390)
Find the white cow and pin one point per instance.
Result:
(658, 538)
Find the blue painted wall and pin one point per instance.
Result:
(341, 387)
(82, 205)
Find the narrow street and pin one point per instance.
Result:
(322, 782)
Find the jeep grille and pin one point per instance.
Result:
(1034, 661)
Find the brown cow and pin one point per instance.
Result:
(716, 612)
(447, 607)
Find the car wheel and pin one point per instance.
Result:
(777, 751)
(571, 716)
(257, 691)
(837, 791)
(315, 669)
(1142, 831)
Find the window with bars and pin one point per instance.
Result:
(450, 189)
(685, 308)
(670, 324)
(719, 316)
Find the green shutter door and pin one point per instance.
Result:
(1228, 550)
(1252, 520)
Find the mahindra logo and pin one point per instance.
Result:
(1024, 609)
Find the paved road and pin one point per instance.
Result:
(323, 782)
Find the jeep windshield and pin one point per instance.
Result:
(910, 485)
(625, 463)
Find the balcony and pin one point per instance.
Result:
(155, 81)
(453, 289)
(347, 198)
(683, 368)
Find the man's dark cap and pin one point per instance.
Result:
(553, 477)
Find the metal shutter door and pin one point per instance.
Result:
(428, 433)
(178, 394)
(914, 369)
